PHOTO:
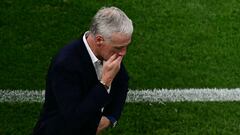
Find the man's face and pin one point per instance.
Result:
(118, 44)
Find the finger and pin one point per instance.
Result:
(118, 60)
(112, 58)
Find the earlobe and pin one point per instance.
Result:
(99, 40)
(99, 43)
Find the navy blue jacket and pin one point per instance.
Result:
(74, 96)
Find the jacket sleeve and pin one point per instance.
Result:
(118, 95)
(77, 107)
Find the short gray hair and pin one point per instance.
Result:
(109, 20)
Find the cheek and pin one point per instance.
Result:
(106, 54)
(109, 53)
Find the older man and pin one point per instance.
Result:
(87, 84)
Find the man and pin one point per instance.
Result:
(87, 84)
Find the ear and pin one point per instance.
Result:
(99, 40)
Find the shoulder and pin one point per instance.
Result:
(69, 56)
(70, 50)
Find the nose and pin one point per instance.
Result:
(123, 51)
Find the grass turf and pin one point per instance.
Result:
(142, 119)
(176, 43)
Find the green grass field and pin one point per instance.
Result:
(143, 119)
(176, 44)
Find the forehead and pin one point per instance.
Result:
(120, 39)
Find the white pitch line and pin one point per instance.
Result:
(180, 95)
(21, 95)
(154, 95)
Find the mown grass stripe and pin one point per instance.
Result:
(150, 95)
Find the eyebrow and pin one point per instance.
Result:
(120, 47)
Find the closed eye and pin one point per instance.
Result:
(119, 48)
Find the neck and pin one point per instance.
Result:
(92, 45)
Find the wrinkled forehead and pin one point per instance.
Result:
(121, 39)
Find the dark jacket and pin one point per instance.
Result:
(74, 97)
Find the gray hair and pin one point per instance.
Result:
(109, 20)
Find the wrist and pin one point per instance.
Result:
(113, 121)
(104, 84)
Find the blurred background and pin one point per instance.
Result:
(176, 44)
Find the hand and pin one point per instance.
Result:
(104, 123)
(111, 68)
